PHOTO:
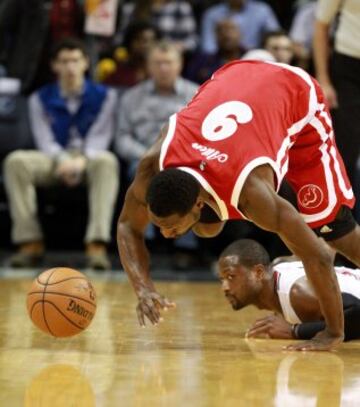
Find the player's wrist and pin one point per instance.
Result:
(294, 331)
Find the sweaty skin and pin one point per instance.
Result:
(261, 204)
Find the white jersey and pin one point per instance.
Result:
(287, 274)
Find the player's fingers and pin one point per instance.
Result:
(164, 302)
(260, 322)
(254, 332)
(152, 312)
(140, 316)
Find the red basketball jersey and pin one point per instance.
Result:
(248, 114)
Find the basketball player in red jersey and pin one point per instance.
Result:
(223, 157)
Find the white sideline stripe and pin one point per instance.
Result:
(169, 136)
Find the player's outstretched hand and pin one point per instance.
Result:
(150, 305)
(272, 326)
(323, 341)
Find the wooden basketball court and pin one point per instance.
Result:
(197, 357)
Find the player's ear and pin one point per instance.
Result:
(199, 202)
(259, 270)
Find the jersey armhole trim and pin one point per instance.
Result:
(221, 204)
(169, 136)
(245, 173)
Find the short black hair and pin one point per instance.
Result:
(135, 28)
(70, 43)
(172, 191)
(249, 252)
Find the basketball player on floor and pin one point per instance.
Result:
(223, 157)
(249, 278)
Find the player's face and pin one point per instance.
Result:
(238, 282)
(70, 65)
(174, 226)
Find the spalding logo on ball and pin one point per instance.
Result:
(61, 302)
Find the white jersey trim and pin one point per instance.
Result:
(220, 203)
(326, 156)
(245, 173)
(169, 136)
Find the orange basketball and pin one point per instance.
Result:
(61, 302)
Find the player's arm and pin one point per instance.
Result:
(261, 204)
(134, 255)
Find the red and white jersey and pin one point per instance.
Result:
(287, 274)
(252, 113)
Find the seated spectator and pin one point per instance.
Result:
(173, 18)
(253, 18)
(145, 108)
(72, 122)
(202, 65)
(129, 64)
(279, 45)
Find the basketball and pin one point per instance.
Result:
(61, 302)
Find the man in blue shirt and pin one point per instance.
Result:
(72, 121)
(254, 18)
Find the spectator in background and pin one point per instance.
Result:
(254, 18)
(173, 18)
(279, 45)
(144, 108)
(339, 73)
(72, 122)
(28, 28)
(302, 32)
(202, 65)
(143, 111)
(129, 64)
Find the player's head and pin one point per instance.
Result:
(174, 202)
(243, 266)
(69, 60)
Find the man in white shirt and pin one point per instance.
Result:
(338, 74)
(249, 278)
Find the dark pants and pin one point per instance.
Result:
(345, 73)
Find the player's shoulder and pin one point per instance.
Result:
(288, 267)
(148, 167)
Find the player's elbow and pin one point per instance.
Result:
(323, 260)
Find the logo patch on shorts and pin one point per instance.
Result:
(310, 196)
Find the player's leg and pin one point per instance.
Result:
(349, 245)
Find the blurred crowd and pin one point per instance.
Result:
(86, 86)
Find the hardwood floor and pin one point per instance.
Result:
(197, 357)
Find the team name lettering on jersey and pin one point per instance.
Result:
(210, 153)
